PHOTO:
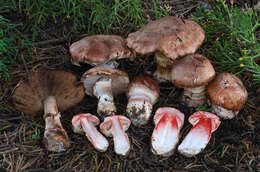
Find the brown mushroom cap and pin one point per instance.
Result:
(227, 91)
(192, 71)
(99, 48)
(28, 95)
(171, 36)
(119, 78)
(146, 83)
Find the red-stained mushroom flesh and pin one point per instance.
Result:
(165, 136)
(103, 91)
(200, 134)
(94, 136)
(120, 138)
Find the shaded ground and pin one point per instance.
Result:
(235, 146)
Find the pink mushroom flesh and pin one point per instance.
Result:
(199, 136)
(165, 136)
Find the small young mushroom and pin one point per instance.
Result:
(99, 50)
(85, 123)
(44, 92)
(204, 123)
(169, 38)
(115, 126)
(168, 123)
(142, 94)
(193, 73)
(227, 95)
(105, 83)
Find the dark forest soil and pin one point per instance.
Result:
(235, 146)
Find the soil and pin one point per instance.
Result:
(235, 146)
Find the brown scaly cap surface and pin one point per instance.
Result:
(146, 83)
(227, 91)
(99, 48)
(192, 71)
(172, 36)
(28, 95)
(120, 79)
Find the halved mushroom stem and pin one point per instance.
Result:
(85, 123)
(169, 122)
(103, 91)
(204, 123)
(224, 113)
(115, 126)
(194, 97)
(164, 66)
(55, 137)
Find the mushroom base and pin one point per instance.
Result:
(139, 111)
(194, 97)
(55, 137)
(224, 113)
(164, 66)
(103, 91)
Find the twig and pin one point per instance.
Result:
(25, 66)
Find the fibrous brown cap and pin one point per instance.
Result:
(227, 91)
(146, 83)
(28, 95)
(120, 79)
(99, 48)
(171, 36)
(192, 71)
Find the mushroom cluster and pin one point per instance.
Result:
(174, 42)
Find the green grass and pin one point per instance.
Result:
(230, 38)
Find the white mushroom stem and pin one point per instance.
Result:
(140, 104)
(121, 140)
(197, 139)
(164, 66)
(194, 97)
(50, 107)
(74, 62)
(103, 91)
(224, 113)
(95, 137)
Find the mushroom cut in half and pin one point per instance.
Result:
(115, 126)
(193, 73)
(100, 50)
(104, 83)
(169, 38)
(142, 94)
(204, 123)
(168, 123)
(85, 123)
(46, 91)
(227, 95)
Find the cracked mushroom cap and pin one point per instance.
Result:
(119, 79)
(169, 35)
(99, 48)
(140, 83)
(29, 95)
(227, 91)
(192, 71)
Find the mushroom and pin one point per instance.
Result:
(105, 83)
(99, 50)
(169, 37)
(142, 94)
(44, 92)
(193, 73)
(227, 95)
(85, 123)
(204, 123)
(168, 123)
(115, 126)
